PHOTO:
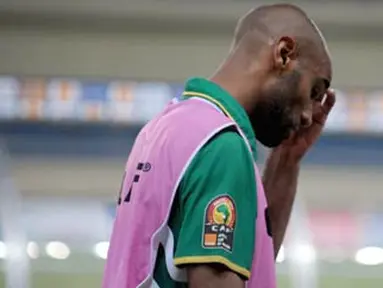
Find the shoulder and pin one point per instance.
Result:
(225, 160)
(227, 146)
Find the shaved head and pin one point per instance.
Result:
(279, 68)
(275, 21)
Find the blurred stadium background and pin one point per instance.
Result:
(80, 77)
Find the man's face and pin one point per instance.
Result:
(286, 104)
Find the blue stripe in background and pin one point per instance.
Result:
(106, 140)
(94, 91)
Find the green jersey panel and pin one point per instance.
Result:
(218, 202)
(213, 215)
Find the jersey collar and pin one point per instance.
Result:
(205, 89)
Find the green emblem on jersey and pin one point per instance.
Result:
(220, 219)
(222, 214)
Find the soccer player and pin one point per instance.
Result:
(193, 210)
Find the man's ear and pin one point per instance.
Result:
(285, 52)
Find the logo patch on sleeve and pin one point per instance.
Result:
(220, 218)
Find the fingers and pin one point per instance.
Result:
(329, 101)
(322, 110)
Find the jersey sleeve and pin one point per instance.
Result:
(219, 206)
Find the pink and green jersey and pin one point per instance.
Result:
(192, 194)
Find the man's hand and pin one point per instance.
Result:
(300, 142)
(280, 177)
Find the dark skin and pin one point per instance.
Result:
(304, 100)
(212, 276)
(282, 168)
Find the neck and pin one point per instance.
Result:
(239, 85)
(240, 76)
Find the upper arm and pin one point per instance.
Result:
(218, 204)
(213, 275)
